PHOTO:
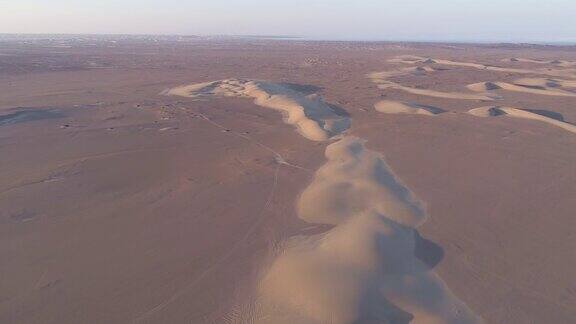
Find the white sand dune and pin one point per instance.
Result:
(313, 118)
(523, 85)
(383, 82)
(569, 72)
(493, 111)
(363, 270)
(398, 107)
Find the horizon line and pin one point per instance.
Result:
(570, 42)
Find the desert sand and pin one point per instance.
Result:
(364, 269)
(521, 113)
(567, 72)
(302, 187)
(355, 271)
(313, 118)
(383, 82)
(398, 107)
(518, 86)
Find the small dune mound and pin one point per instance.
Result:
(398, 107)
(486, 112)
(538, 115)
(484, 86)
(314, 119)
(490, 86)
(546, 87)
(421, 69)
(407, 59)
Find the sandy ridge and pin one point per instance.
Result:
(363, 269)
(412, 59)
(382, 80)
(561, 63)
(312, 117)
(494, 111)
(532, 86)
(399, 107)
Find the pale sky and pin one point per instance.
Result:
(421, 20)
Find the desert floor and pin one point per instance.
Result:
(120, 203)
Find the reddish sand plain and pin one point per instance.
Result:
(124, 200)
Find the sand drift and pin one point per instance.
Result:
(313, 118)
(531, 86)
(482, 90)
(494, 111)
(410, 108)
(569, 72)
(382, 80)
(362, 270)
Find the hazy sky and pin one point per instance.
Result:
(462, 20)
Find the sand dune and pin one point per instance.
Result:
(364, 269)
(398, 107)
(383, 82)
(569, 72)
(553, 62)
(546, 82)
(493, 111)
(313, 118)
(523, 85)
(445, 95)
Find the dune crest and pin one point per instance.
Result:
(364, 269)
(546, 82)
(493, 111)
(313, 118)
(553, 62)
(532, 86)
(382, 80)
(569, 72)
(398, 107)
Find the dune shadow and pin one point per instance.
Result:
(25, 115)
(316, 229)
(305, 89)
(535, 87)
(427, 251)
(547, 113)
(339, 110)
(377, 307)
(432, 109)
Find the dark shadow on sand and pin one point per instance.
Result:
(339, 110)
(28, 114)
(547, 113)
(427, 251)
(305, 89)
(432, 109)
